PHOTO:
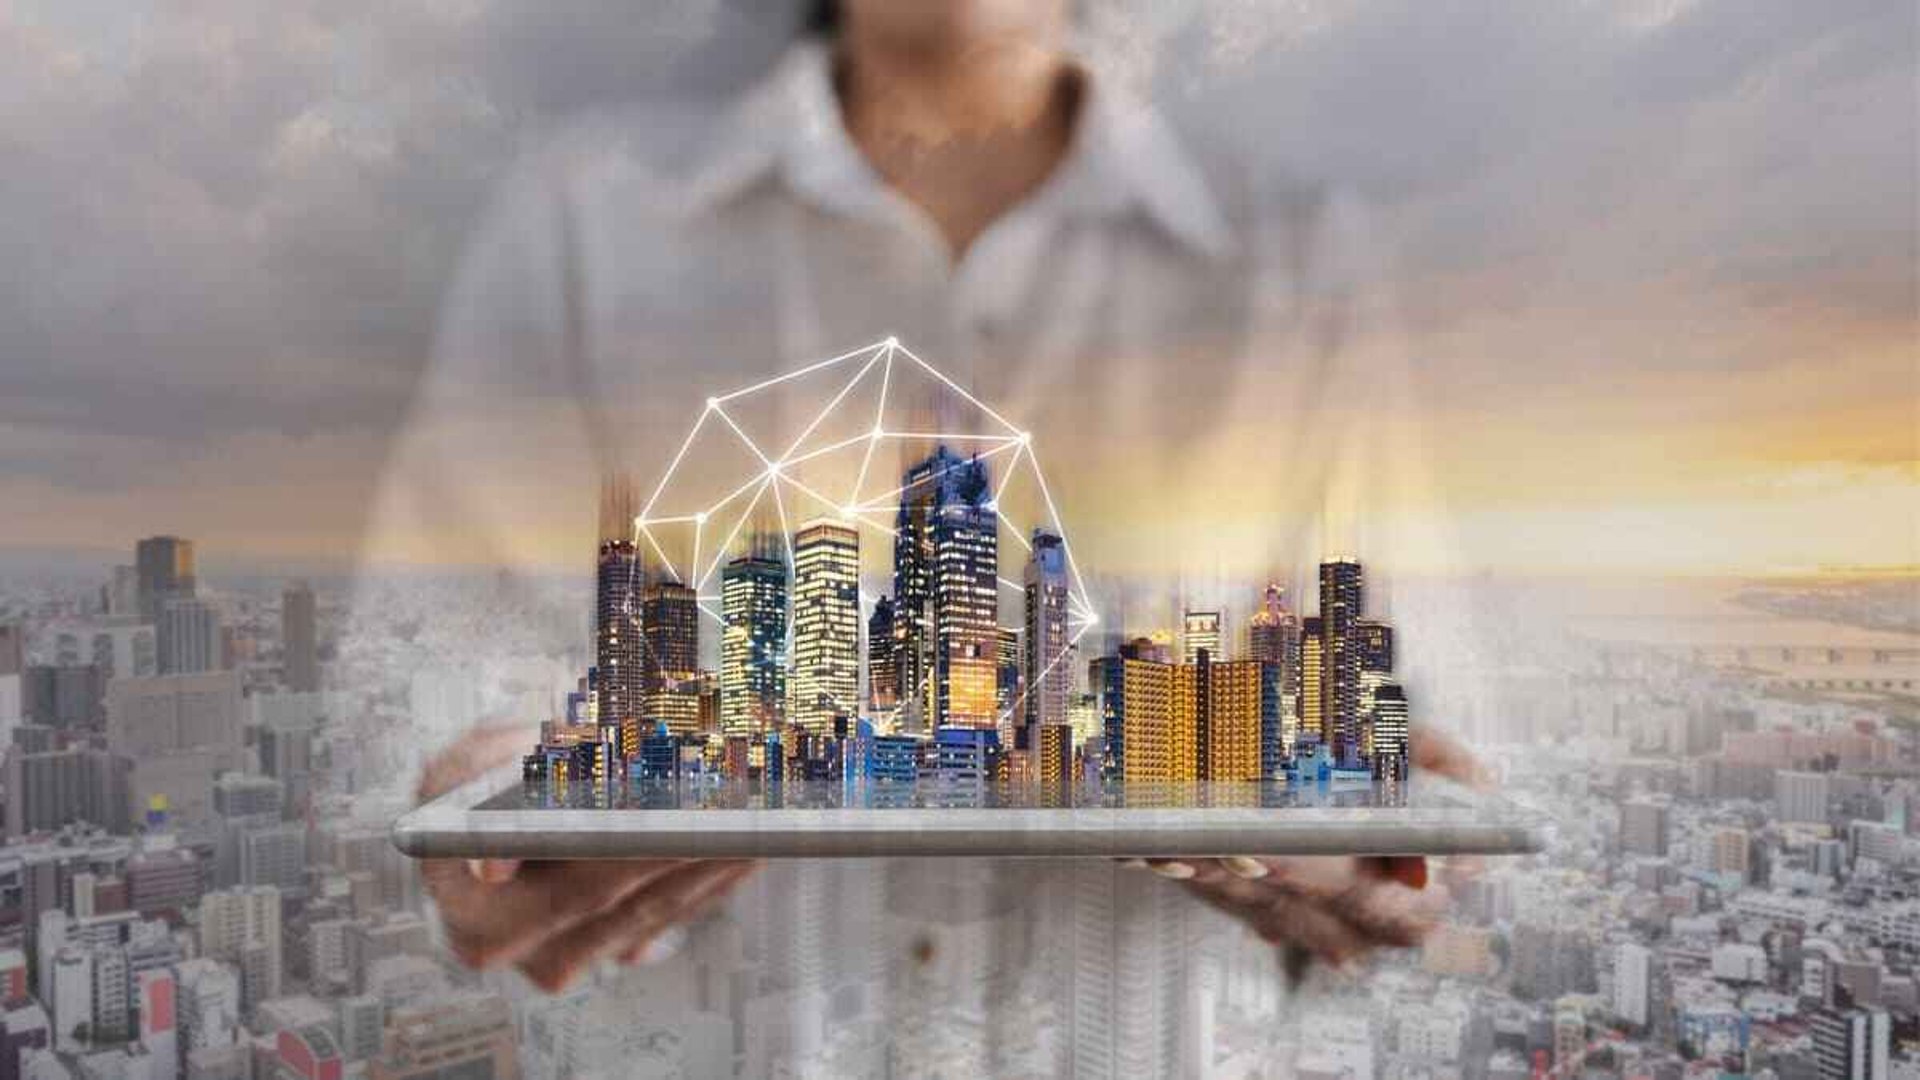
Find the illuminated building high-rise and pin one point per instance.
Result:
(1313, 714)
(1227, 719)
(1387, 731)
(883, 663)
(1149, 716)
(1342, 604)
(1053, 757)
(670, 661)
(1273, 640)
(1200, 632)
(1006, 682)
(946, 588)
(826, 625)
(753, 647)
(618, 644)
(1048, 671)
(1376, 645)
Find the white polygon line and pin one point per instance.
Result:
(721, 552)
(675, 463)
(949, 436)
(879, 425)
(822, 451)
(878, 502)
(831, 405)
(722, 413)
(1053, 511)
(655, 544)
(956, 388)
(809, 369)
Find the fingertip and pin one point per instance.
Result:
(493, 871)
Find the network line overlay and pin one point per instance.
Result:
(734, 463)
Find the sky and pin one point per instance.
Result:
(1660, 253)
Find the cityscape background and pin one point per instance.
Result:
(1662, 250)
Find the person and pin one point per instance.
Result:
(1199, 328)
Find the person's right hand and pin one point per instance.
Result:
(553, 919)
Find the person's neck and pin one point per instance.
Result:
(965, 133)
(922, 96)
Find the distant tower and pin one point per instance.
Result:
(164, 569)
(1049, 672)
(1200, 632)
(753, 648)
(1341, 607)
(826, 625)
(670, 662)
(298, 645)
(187, 636)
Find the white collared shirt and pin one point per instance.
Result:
(1170, 324)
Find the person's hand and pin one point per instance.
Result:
(1336, 909)
(553, 919)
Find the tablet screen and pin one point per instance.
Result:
(945, 794)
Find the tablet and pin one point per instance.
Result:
(504, 816)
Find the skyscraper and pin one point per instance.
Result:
(753, 648)
(188, 636)
(1342, 603)
(1049, 674)
(883, 662)
(1227, 720)
(670, 662)
(165, 568)
(1200, 632)
(946, 587)
(1387, 731)
(1149, 717)
(826, 625)
(1852, 1043)
(1312, 710)
(298, 633)
(1375, 641)
(618, 641)
(1273, 640)
(1006, 682)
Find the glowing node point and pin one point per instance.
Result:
(713, 403)
(700, 518)
(1026, 436)
(891, 343)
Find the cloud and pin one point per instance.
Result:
(230, 221)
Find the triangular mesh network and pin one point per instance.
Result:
(833, 439)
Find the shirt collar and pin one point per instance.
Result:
(1125, 157)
